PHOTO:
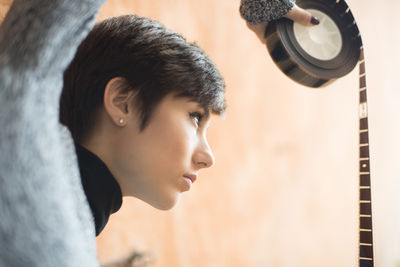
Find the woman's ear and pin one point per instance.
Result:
(117, 99)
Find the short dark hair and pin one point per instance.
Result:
(153, 60)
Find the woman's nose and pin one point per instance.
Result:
(203, 156)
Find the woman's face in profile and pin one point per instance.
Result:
(163, 160)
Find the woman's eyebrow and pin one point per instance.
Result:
(205, 110)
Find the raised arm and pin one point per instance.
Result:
(44, 216)
(37, 34)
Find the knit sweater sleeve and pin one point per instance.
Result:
(258, 11)
(43, 211)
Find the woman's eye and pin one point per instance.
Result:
(196, 116)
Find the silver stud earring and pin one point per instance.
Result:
(121, 120)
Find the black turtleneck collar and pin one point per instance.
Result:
(101, 189)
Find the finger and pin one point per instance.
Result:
(301, 16)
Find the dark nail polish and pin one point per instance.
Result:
(314, 20)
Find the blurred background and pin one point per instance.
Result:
(284, 189)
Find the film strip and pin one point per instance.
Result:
(315, 57)
(366, 254)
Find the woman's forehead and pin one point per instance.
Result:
(189, 101)
(210, 104)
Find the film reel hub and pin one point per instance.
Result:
(323, 41)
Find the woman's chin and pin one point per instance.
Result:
(165, 203)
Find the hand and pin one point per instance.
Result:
(297, 14)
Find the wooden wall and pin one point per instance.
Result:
(284, 189)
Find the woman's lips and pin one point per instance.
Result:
(189, 180)
(191, 177)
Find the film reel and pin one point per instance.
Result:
(316, 56)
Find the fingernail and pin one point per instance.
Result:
(314, 20)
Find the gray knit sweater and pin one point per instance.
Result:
(258, 11)
(44, 216)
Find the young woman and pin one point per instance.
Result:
(137, 100)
